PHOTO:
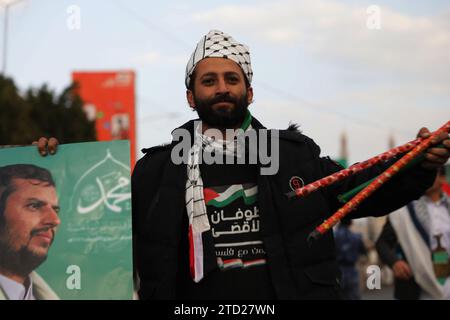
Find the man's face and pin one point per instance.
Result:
(221, 98)
(29, 223)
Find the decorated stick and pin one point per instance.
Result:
(343, 198)
(374, 185)
(340, 175)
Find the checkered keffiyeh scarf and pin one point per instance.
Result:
(201, 259)
(220, 45)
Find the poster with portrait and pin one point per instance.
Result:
(74, 236)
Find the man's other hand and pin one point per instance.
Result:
(435, 156)
(402, 270)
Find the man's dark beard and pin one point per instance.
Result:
(21, 262)
(222, 118)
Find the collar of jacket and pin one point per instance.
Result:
(292, 133)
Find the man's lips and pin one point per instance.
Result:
(46, 235)
(223, 104)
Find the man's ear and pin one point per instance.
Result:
(249, 95)
(190, 98)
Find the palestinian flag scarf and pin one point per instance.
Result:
(202, 257)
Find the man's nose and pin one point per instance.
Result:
(51, 217)
(222, 87)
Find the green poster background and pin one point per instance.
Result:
(91, 256)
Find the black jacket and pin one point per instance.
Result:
(297, 270)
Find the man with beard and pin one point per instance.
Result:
(207, 230)
(28, 221)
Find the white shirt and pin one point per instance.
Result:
(15, 290)
(439, 223)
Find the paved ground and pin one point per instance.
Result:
(385, 293)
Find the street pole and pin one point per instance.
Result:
(6, 4)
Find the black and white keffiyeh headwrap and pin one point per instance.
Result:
(201, 259)
(220, 45)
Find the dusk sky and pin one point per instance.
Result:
(324, 64)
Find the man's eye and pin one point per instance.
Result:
(233, 80)
(207, 82)
(34, 205)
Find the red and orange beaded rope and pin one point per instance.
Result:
(378, 182)
(340, 175)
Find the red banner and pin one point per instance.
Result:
(109, 99)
